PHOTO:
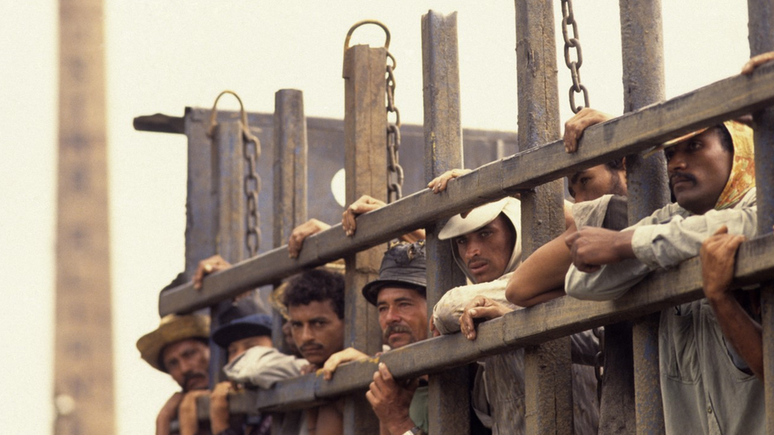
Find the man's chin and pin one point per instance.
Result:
(399, 340)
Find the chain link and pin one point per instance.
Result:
(394, 169)
(568, 19)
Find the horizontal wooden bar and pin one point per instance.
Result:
(557, 318)
(628, 134)
(160, 123)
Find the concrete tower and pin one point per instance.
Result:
(83, 367)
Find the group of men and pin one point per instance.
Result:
(710, 350)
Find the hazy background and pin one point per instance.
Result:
(164, 55)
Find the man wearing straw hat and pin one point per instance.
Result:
(178, 347)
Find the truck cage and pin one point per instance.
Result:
(216, 224)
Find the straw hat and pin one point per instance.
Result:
(173, 328)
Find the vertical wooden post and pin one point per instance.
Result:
(761, 25)
(643, 78)
(290, 175)
(83, 348)
(547, 368)
(365, 162)
(448, 404)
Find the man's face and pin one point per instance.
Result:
(238, 347)
(317, 330)
(698, 171)
(187, 361)
(596, 181)
(402, 316)
(486, 251)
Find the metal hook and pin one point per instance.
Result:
(243, 116)
(360, 23)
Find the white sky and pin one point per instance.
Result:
(165, 55)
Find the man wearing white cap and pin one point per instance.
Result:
(486, 245)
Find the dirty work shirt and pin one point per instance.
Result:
(662, 240)
(703, 391)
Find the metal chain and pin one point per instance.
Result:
(574, 66)
(252, 151)
(599, 361)
(252, 181)
(394, 170)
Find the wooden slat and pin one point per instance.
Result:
(540, 323)
(627, 134)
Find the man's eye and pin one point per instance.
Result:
(461, 241)
(585, 180)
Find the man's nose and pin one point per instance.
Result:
(187, 365)
(472, 249)
(677, 161)
(306, 334)
(392, 315)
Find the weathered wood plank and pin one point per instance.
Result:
(448, 397)
(531, 326)
(630, 133)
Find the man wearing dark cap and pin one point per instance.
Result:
(246, 337)
(399, 296)
(251, 360)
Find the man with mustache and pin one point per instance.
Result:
(178, 347)
(315, 304)
(400, 298)
(707, 347)
(486, 245)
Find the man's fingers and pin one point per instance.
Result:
(570, 239)
(756, 61)
(722, 230)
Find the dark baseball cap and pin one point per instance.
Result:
(253, 325)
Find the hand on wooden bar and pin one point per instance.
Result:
(391, 400)
(574, 127)
(301, 232)
(186, 416)
(757, 61)
(219, 416)
(365, 204)
(338, 358)
(168, 413)
(480, 307)
(216, 263)
(438, 184)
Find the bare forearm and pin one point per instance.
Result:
(541, 274)
(741, 331)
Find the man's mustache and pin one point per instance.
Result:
(683, 175)
(192, 376)
(311, 346)
(395, 327)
